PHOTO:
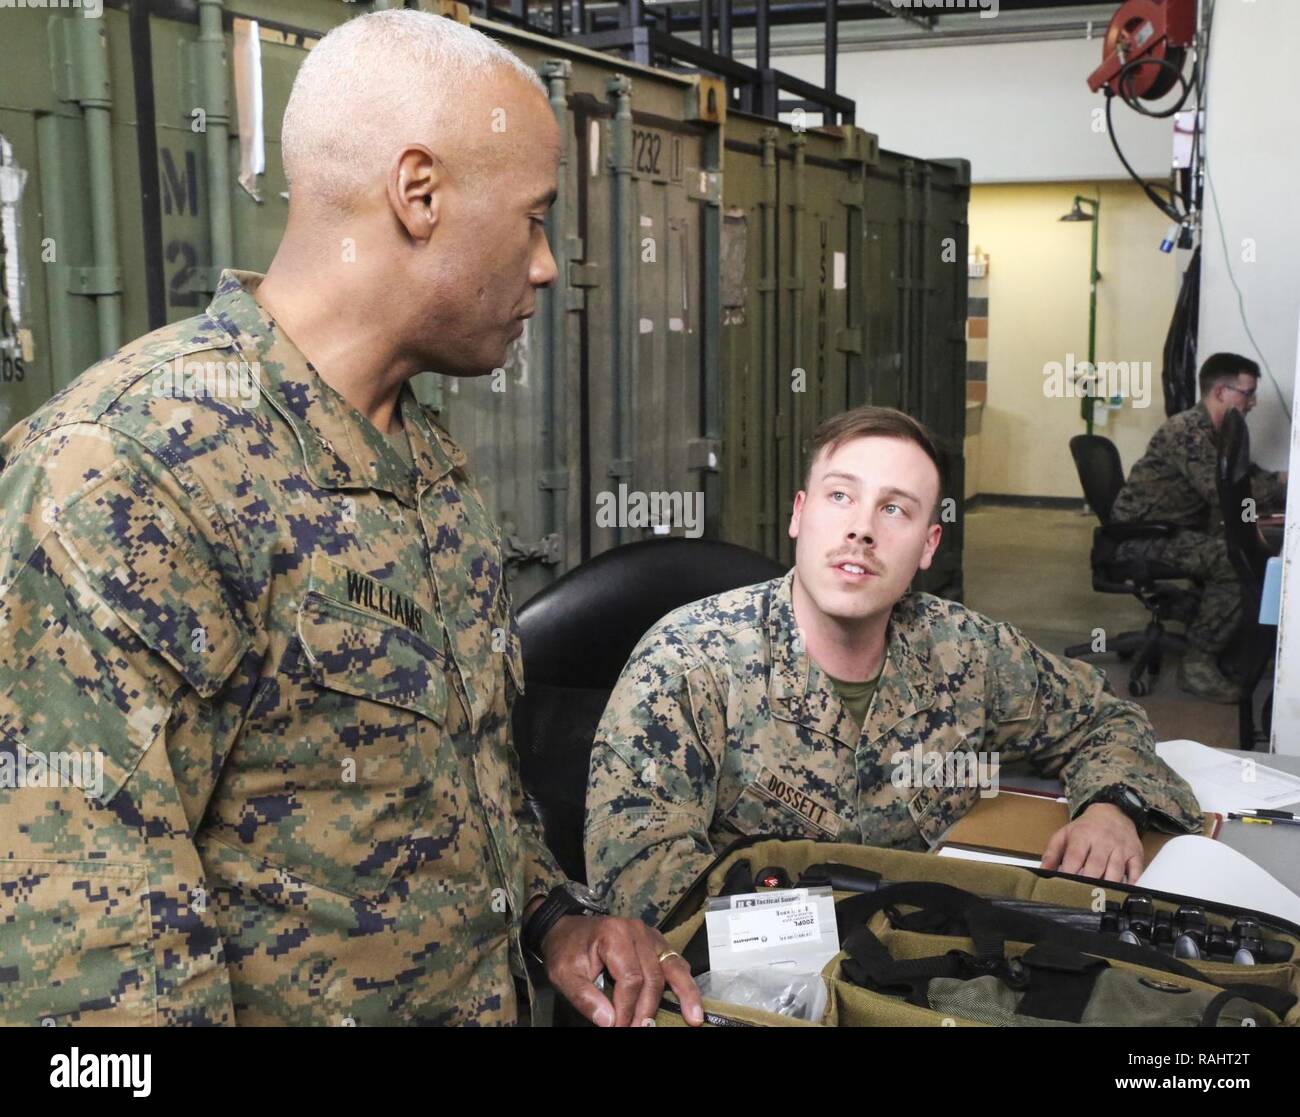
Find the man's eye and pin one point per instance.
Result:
(898, 508)
(839, 493)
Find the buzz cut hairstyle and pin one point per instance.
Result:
(870, 421)
(1219, 368)
(374, 83)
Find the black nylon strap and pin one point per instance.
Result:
(1060, 983)
(870, 966)
(739, 878)
(1020, 926)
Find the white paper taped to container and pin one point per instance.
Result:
(793, 928)
(248, 101)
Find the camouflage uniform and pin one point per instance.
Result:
(295, 656)
(1174, 482)
(721, 725)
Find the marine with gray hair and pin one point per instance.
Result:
(281, 623)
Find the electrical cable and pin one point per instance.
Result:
(1208, 12)
(1130, 67)
(1241, 299)
(1166, 206)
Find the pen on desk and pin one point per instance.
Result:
(1260, 812)
(1264, 821)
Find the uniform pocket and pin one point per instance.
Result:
(342, 749)
(934, 809)
(376, 729)
(349, 650)
(74, 944)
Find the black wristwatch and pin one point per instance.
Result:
(1127, 800)
(569, 898)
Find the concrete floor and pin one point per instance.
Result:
(1029, 567)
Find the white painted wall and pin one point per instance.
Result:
(1286, 671)
(1020, 112)
(1254, 165)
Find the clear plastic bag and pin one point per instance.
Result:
(801, 996)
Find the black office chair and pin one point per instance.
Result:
(1249, 556)
(577, 634)
(1102, 477)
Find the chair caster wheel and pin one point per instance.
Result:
(1139, 687)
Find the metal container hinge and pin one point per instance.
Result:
(548, 550)
(705, 186)
(94, 281)
(552, 481)
(704, 454)
(848, 341)
(853, 195)
(584, 275)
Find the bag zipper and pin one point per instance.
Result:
(679, 912)
(709, 1017)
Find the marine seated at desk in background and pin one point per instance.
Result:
(1174, 482)
(791, 707)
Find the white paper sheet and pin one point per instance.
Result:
(248, 102)
(1226, 783)
(1192, 865)
(994, 858)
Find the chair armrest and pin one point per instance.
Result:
(1155, 529)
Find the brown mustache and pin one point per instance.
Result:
(857, 560)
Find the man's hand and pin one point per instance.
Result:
(1101, 843)
(578, 947)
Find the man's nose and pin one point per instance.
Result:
(862, 530)
(543, 271)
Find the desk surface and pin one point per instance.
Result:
(1274, 848)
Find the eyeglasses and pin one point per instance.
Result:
(1249, 393)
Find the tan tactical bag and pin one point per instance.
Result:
(940, 941)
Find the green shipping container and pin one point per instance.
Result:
(725, 281)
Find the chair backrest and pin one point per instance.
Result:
(1246, 550)
(1100, 472)
(577, 634)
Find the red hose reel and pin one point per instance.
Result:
(1153, 31)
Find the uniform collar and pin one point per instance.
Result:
(342, 449)
(800, 691)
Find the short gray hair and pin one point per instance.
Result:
(375, 83)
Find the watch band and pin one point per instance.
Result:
(539, 924)
(560, 902)
(1127, 800)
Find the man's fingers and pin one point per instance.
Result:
(1115, 865)
(1134, 865)
(1055, 847)
(653, 986)
(678, 974)
(585, 997)
(1098, 858)
(1076, 853)
(619, 957)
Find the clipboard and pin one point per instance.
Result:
(1019, 824)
